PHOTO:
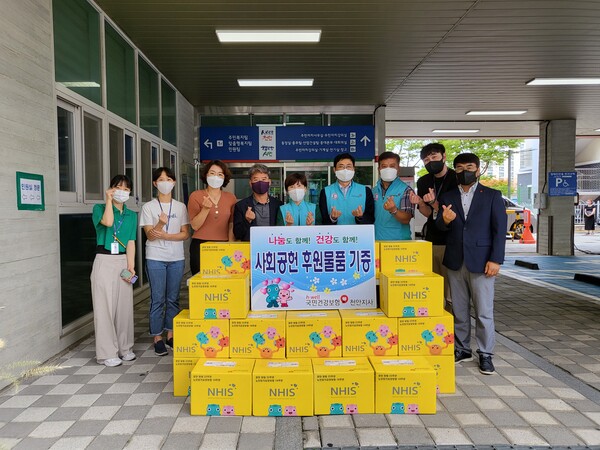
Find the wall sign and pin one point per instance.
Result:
(30, 192)
(562, 184)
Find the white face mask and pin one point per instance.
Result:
(120, 196)
(165, 187)
(388, 174)
(297, 195)
(344, 175)
(215, 182)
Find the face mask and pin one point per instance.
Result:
(344, 175)
(297, 195)
(121, 196)
(388, 174)
(435, 167)
(260, 187)
(466, 177)
(215, 182)
(165, 187)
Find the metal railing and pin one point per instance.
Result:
(578, 214)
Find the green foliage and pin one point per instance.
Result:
(494, 183)
(488, 150)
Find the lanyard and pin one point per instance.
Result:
(437, 191)
(169, 216)
(116, 229)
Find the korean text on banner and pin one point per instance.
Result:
(311, 268)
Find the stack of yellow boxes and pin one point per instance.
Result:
(414, 294)
(297, 363)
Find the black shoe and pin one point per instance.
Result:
(170, 343)
(462, 355)
(486, 366)
(160, 349)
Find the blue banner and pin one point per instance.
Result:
(312, 267)
(292, 143)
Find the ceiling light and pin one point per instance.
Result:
(562, 81)
(273, 36)
(455, 131)
(276, 82)
(597, 129)
(496, 113)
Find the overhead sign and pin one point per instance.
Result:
(562, 184)
(316, 267)
(292, 143)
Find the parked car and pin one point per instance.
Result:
(516, 219)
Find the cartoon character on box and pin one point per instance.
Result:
(408, 311)
(323, 351)
(210, 313)
(336, 408)
(397, 408)
(238, 257)
(228, 411)
(213, 410)
(210, 351)
(439, 330)
(378, 349)
(259, 340)
(275, 411)
(352, 408)
(290, 411)
(412, 408)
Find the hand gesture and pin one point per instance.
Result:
(358, 212)
(109, 194)
(389, 204)
(414, 198)
(335, 214)
(163, 218)
(430, 196)
(448, 215)
(310, 218)
(157, 234)
(250, 216)
(289, 220)
(491, 269)
(206, 203)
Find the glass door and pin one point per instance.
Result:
(317, 177)
(240, 186)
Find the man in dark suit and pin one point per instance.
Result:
(258, 210)
(475, 218)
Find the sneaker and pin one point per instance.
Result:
(160, 349)
(128, 356)
(170, 343)
(486, 366)
(113, 362)
(462, 355)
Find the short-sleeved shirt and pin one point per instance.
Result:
(125, 224)
(160, 249)
(216, 226)
(440, 185)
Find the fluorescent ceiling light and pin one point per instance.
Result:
(496, 113)
(597, 129)
(276, 82)
(273, 36)
(562, 81)
(455, 131)
(80, 84)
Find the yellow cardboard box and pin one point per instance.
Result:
(411, 294)
(260, 335)
(343, 386)
(283, 388)
(426, 335)
(182, 370)
(313, 334)
(377, 260)
(444, 367)
(224, 258)
(405, 256)
(222, 388)
(219, 296)
(404, 385)
(200, 338)
(368, 332)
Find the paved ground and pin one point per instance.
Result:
(546, 393)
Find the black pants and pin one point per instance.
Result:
(195, 255)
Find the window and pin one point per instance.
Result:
(169, 113)
(122, 154)
(226, 121)
(267, 120)
(304, 120)
(77, 47)
(148, 90)
(149, 163)
(92, 149)
(66, 148)
(351, 119)
(120, 75)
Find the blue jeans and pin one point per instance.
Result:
(165, 280)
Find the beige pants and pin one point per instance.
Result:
(440, 269)
(112, 299)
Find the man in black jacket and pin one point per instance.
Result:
(258, 210)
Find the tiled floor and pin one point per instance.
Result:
(531, 401)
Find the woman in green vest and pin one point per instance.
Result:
(297, 211)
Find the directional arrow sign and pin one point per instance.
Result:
(208, 144)
(365, 140)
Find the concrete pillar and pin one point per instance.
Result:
(379, 120)
(555, 221)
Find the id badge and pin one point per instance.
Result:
(114, 248)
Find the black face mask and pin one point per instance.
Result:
(435, 167)
(466, 177)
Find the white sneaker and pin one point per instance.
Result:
(128, 356)
(113, 362)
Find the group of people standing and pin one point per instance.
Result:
(466, 223)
